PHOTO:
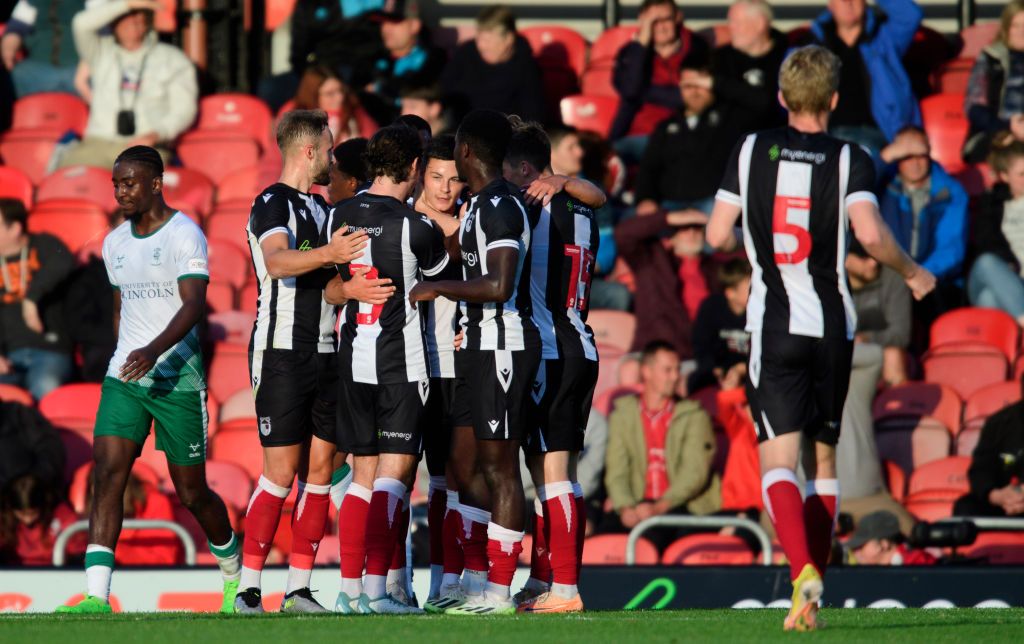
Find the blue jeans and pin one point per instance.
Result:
(32, 77)
(994, 284)
(38, 370)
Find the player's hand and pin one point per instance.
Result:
(921, 282)
(646, 27)
(345, 247)
(460, 337)
(422, 292)
(686, 217)
(366, 290)
(5, 366)
(30, 313)
(137, 364)
(543, 190)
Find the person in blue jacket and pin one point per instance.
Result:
(875, 95)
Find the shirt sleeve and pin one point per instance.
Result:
(190, 256)
(862, 177)
(729, 190)
(108, 260)
(269, 216)
(502, 221)
(428, 246)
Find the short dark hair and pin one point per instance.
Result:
(417, 123)
(558, 132)
(529, 143)
(734, 271)
(348, 157)
(142, 155)
(442, 148)
(429, 93)
(298, 125)
(391, 152)
(13, 211)
(487, 133)
(653, 347)
(496, 16)
(647, 4)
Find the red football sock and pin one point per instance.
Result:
(383, 524)
(453, 559)
(352, 530)
(503, 549)
(786, 508)
(563, 521)
(398, 556)
(540, 556)
(261, 521)
(581, 525)
(309, 522)
(473, 537)
(437, 504)
(820, 508)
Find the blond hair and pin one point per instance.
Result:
(1011, 9)
(808, 78)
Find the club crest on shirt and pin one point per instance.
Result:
(156, 257)
(119, 262)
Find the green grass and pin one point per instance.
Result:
(857, 625)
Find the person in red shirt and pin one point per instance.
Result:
(146, 547)
(879, 542)
(741, 480)
(31, 517)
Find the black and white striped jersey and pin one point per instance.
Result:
(496, 218)
(563, 253)
(385, 343)
(794, 189)
(290, 312)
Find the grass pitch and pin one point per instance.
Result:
(857, 625)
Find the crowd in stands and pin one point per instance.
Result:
(671, 432)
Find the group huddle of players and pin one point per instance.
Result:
(354, 354)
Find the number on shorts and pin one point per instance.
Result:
(579, 280)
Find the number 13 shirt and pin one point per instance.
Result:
(794, 189)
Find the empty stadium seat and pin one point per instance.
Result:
(965, 368)
(76, 223)
(999, 548)
(13, 393)
(72, 406)
(929, 509)
(977, 37)
(27, 151)
(217, 154)
(946, 125)
(610, 550)
(188, 190)
(555, 46)
(988, 400)
(976, 324)
(239, 186)
(967, 440)
(228, 224)
(612, 328)
(78, 490)
(606, 47)
(234, 327)
(15, 184)
(82, 182)
(597, 81)
(228, 263)
(229, 371)
(220, 297)
(951, 76)
(594, 113)
(895, 479)
(912, 447)
(156, 460)
(238, 442)
(231, 482)
(51, 114)
(943, 474)
(236, 113)
(240, 404)
(708, 550)
(907, 404)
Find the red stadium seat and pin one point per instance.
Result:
(81, 182)
(228, 224)
(555, 46)
(236, 113)
(238, 443)
(944, 474)
(896, 480)
(613, 328)
(608, 44)
(50, 113)
(965, 368)
(977, 37)
(231, 482)
(907, 404)
(217, 154)
(228, 263)
(15, 184)
(946, 125)
(987, 401)
(951, 76)
(277, 11)
(77, 451)
(975, 324)
(165, 20)
(708, 550)
(999, 548)
(910, 448)
(241, 186)
(605, 402)
(76, 223)
(188, 190)
(156, 460)
(72, 406)
(594, 113)
(27, 151)
(247, 298)
(220, 297)
(13, 393)
(597, 81)
(610, 550)
(229, 371)
(234, 327)
(929, 509)
(240, 404)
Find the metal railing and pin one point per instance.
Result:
(698, 522)
(988, 524)
(61, 544)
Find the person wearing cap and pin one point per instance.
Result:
(879, 542)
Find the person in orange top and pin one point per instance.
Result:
(741, 481)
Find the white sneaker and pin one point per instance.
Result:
(450, 596)
(386, 605)
(397, 592)
(347, 605)
(484, 605)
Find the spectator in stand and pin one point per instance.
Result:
(997, 468)
(348, 173)
(673, 275)
(31, 517)
(687, 153)
(720, 339)
(876, 99)
(746, 71)
(646, 74)
(995, 279)
(29, 445)
(879, 541)
(426, 103)
(496, 71)
(35, 352)
(883, 306)
(995, 88)
(341, 36)
(741, 481)
(144, 92)
(88, 305)
(144, 547)
(322, 89)
(39, 29)
(660, 451)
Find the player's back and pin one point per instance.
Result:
(384, 344)
(794, 189)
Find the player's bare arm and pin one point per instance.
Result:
(721, 229)
(193, 306)
(543, 190)
(872, 232)
(494, 286)
(360, 288)
(283, 262)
